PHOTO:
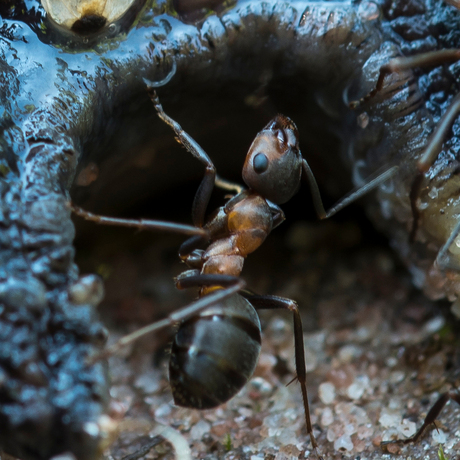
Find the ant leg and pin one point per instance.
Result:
(372, 182)
(190, 245)
(268, 302)
(442, 259)
(140, 224)
(216, 226)
(203, 194)
(202, 303)
(429, 155)
(430, 418)
(434, 145)
(401, 64)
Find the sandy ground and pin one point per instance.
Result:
(378, 352)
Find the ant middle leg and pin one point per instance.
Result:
(140, 224)
(442, 259)
(269, 302)
(203, 194)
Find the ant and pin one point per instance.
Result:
(217, 345)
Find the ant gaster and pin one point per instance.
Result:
(217, 345)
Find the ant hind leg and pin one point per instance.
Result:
(268, 302)
(431, 417)
(231, 285)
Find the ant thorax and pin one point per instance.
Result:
(248, 221)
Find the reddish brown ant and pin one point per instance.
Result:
(217, 345)
(222, 320)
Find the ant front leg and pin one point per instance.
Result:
(268, 302)
(431, 417)
(203, 194)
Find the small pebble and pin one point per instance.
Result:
(393, 448)
(327, 417)
(349, 352)
(283, 456)
(64, 456)
(220, 429)
(342, 377)
(434, 325)
(397, 376)
(388, 419)
(149, 382)
(439, 437)
(391, 361)
(326, 392)
(261, 385)
(343, 443)
(355, 390)
(199, 430)
(245, 412)
(331, 435)
(407, 428)
(377, 441)
(365, 431)
(349, 429)
(163, 411)
(266, 362)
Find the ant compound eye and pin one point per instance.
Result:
(260, 163)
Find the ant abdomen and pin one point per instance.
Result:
(214, 354)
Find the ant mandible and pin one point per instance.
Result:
(217, 345)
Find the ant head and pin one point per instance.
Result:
(273, 165)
